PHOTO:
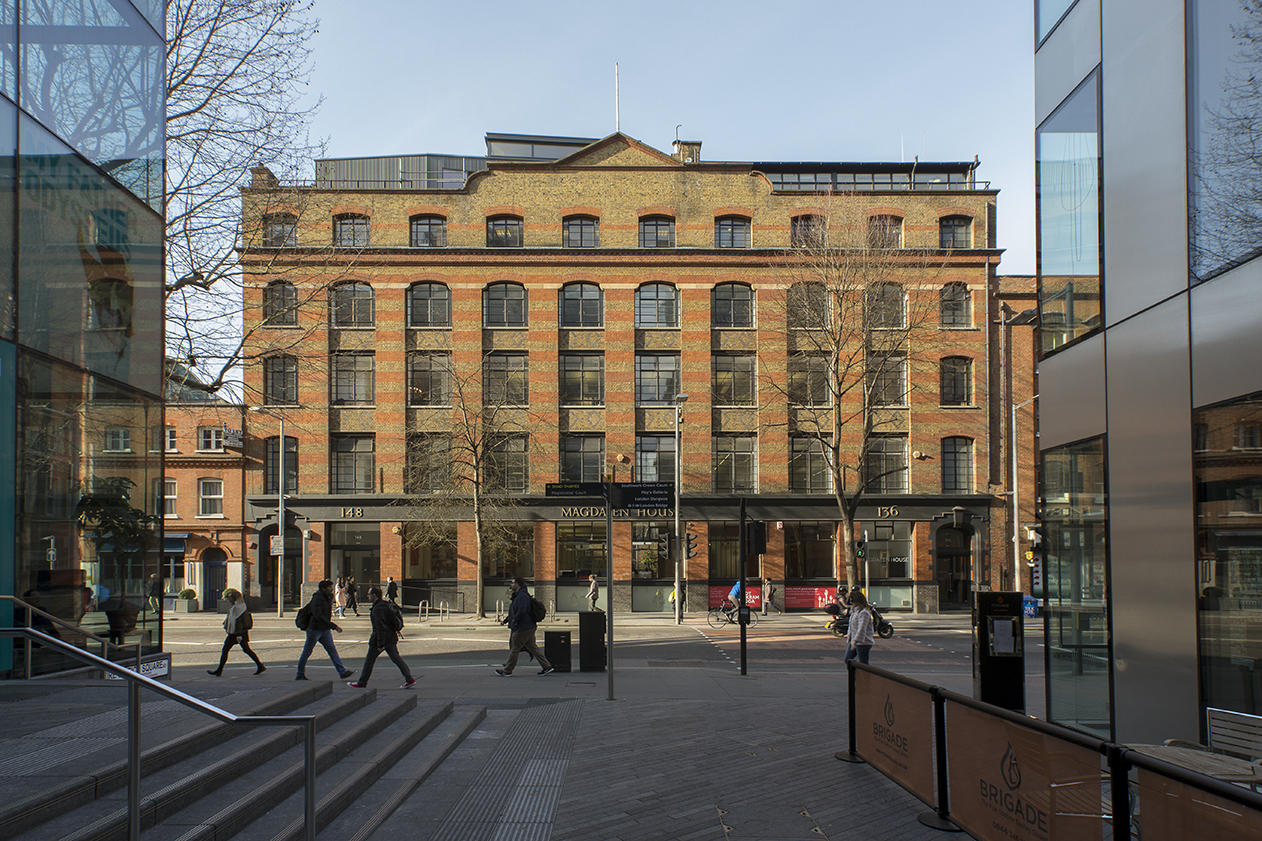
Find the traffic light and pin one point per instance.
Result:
(756, 538)
(690, 550)
(663, 545)
(860, 549)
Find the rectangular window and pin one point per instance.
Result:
(1067, 147)
(1075, 563)
(429, 462)
(504, 232)
(583, 458)
(885, 232)
(735, 464)
(723, 545)
(807, 231)
(352, 377)
(656, 379)
(350, 231)
(118, 439)
(655, 458)
(808, 466)
(210, 439)
(280, 230)
(731, 232)
(429, 379)
(210, 497)
(809, 547)
(885, 465)
(808, 380)
(428, 232)
(271, 465)
(580, 232)
(580, 549)
(505, 378)
(957, 465)
(170, 490)
(582, 379)
(733, 380)
(280, 380)
(508, 464)
(657, 232)
(955, 387)
(169, 439)
(887, 380)
(353, 464)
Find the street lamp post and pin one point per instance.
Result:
(279, 544)
(680, 400)
(1016, 499)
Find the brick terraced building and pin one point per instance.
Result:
(578, 287)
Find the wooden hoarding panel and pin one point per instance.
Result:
(895, 731)
(1171, 811)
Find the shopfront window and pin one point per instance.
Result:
(355, 549)
(1069, 212)
(809, 550)
(646, 551)
(724, 549)
(1075, 525)
(1229, 555)
(430, 552)
(510, 552)
(580, 549)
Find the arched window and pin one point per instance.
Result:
(886, 306)
(955, 305)
(504, 305)
(428, 232)
(885, 231)
(955, 232)
(429, 305)
(504, 232)
(656, 305)
(352, 305)
(731, 232)
(807, 231)
(732, 305)
(582, 305)
(280, 303)
(657, 232)
(957, 465)
(280, 230)
(350, 230)
(808, 305)
(955, 381)
(580, 232)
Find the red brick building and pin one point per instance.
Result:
(579, 286)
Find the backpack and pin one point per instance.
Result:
(303, 619)
(538, 610)
(394, 617)
(244, 622)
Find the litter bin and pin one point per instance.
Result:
(591, 641)
(556, 647)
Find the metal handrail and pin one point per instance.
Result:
(78, 629)
(136, 682)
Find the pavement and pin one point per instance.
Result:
(679, 745)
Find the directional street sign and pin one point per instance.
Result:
(644, 495)
(563, 489)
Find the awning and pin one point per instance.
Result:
(173, 542)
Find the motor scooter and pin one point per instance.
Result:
(839, 621)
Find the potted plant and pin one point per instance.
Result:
(187, 602)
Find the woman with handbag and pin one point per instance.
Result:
(237, 625)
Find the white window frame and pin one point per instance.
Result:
(203, 498)
(213, 435)
(117, 439)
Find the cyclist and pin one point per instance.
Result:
(733, 601)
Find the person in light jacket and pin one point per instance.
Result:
(593, 592)
(237, 635)
(859, 632)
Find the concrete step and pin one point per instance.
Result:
(226, 811)
(91, 768)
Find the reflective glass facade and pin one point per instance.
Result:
(81, 323)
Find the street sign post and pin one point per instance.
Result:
(659, 495)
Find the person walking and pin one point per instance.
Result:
(155, 593)
(521, 625)
(769, 596)
(392, 590)
(237, 626)
(352, 595)
(339, 596)
(321, 631)
(386, 621)
(859, 632)
(593, 592)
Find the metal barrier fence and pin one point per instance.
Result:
(1003, 776)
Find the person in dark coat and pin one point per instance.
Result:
(321, 630)
(392, 590)
(236, 634)
(521, 625)
(352, 595)
(384, 638)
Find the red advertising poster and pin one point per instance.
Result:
(895, 732)
(806, 598)
(1012, 783)
(753, 595)
(1169, 810)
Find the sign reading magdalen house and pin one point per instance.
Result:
(895, 731)
(1013, 783)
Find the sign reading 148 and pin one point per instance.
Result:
(352, 512)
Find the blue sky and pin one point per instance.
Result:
(798, 80)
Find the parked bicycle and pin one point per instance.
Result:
(726, 614)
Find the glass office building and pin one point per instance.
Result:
(81, 323)
(1149, 215)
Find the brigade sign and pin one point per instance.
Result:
(895, 731)
(1013, 783)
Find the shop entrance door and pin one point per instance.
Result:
(954, 567)
(215, 562)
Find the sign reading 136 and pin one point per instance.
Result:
(886, 511)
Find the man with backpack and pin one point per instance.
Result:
(316, 618)
(386, 619)
(522, 622)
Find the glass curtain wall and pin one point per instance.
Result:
(1227, 462)
(1076, 576)
(1069, 212)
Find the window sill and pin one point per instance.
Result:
(208, 452)
(270, 326)
(348, 405)
(429, 405)
(429, 326)
(364, 327)
(211, 517)
(117, 452)
(957, 406)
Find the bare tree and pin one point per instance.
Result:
(237, 76)
(857, 317)
(468, 463)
